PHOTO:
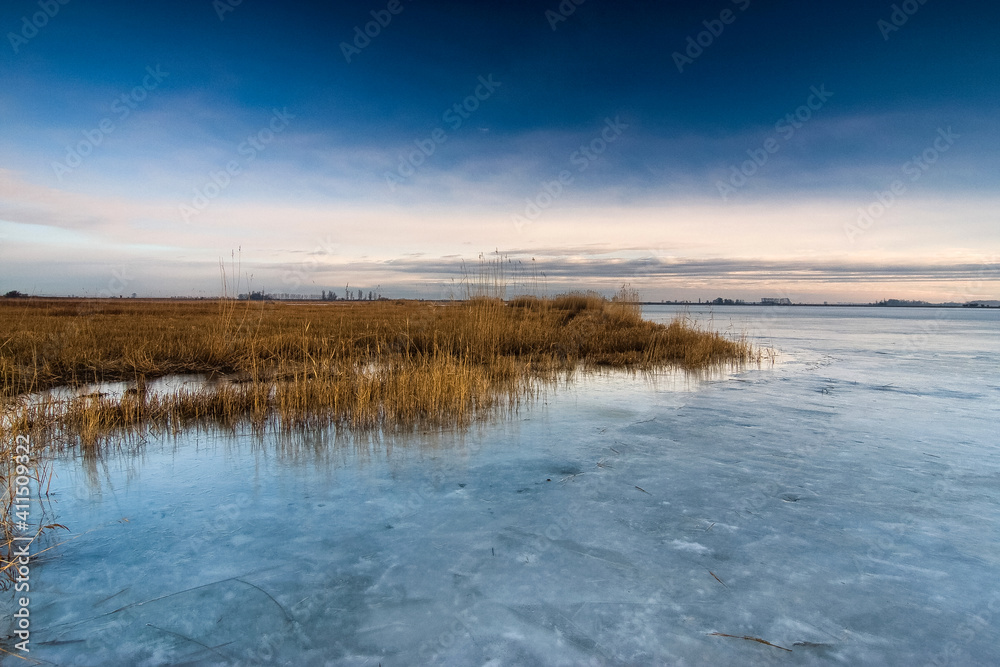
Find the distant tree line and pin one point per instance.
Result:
(326, 295)
(901, 302)
(352, 295)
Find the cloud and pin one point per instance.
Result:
(25, 202)
(583, 269)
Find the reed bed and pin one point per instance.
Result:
(363, 365)
(366, 366)
(48, 343)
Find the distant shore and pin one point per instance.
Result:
(726, 302)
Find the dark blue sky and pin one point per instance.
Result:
(604, 56)
(351, 124)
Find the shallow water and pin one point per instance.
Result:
(161, 386)
(842, 503)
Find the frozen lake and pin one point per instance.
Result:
(843, 504)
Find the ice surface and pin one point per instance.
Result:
(842, 504)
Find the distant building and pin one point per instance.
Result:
(775, 301)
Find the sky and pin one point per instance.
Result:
(840, 151)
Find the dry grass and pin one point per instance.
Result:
(47, 342)
(363, 365)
